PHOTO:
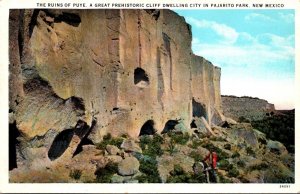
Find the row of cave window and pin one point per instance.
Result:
(148, 127)
(63, 139)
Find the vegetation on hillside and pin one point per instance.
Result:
(279, 127)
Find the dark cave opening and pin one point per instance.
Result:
(81, 129)
(84, 136)
(170, 125)
(198, 109)
(69, 18)
(13, 143)
(193, 124)
(140, 77)
(148, 128)
(60, 143)
(78, 103)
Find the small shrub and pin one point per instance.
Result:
(250, 151)
(233, 172)
(116, 142)
(224, 164)
(195, 144)
(151, 174)
(144, 140)
(214, 138)
(124, 136)
(261, 166)
(178, 170)
(178, 175)
(243, 120)
(227, 146)
(108, 140)
(103, 175)
(235, 155)
(222, 179)
(241, 163)
(197, 157)
(179, 138)
(172, 147)
(75, 174)
(153, 145)
(158, 139)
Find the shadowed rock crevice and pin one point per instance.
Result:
(193, 124)
(167, 45)
(199, 109)
(141, 78)
(36, 84)
(21, 33)
(13, 143)
(155, 13)
(72, 19)
(170, 125)
(84, 139)
(77, 103)
(60, 144)
(33, 21)
(148, 128)
(160, 79)
(69, 18)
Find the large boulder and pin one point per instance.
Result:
(276, 147)
(165, 164)
(128, 166)
(112, 150)
(129, 145)
(245, 131)
(114, 158)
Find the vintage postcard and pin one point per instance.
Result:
(115, 96)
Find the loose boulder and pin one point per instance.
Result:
(128, 166)
(277, 147)
(112, 150)
(130, 146)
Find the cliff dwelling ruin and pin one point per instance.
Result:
(129, 71)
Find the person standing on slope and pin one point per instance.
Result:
(212, 158)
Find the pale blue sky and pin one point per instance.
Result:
(254, 48)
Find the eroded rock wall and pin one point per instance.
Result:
(247, 107)
(104, 71)
(205, 86)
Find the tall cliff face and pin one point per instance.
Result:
(85, 73)
(247, 107)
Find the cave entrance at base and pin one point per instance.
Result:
(148, 128)
(60, 143)
(199, 109)
(83, 131)
(170, 125)
(13, 143)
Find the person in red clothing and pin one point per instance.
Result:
(212, 158)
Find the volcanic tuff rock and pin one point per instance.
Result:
(247, 107)
(76, 75)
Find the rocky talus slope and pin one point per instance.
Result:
(245, 155)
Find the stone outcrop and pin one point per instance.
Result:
(128, 166)
(76, 75)
(247, 107)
